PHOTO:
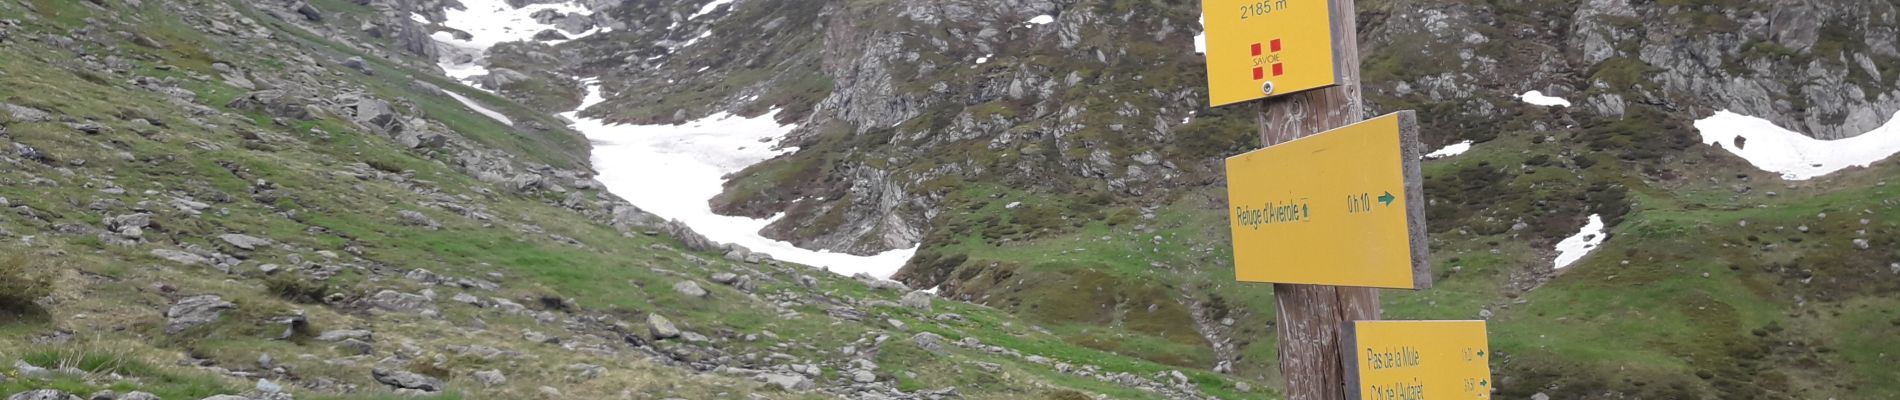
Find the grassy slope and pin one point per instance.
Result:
(1637, 316)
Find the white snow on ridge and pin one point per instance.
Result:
(1200, 40)
(1538, 98)
(1795, 156)
(1576, 246)
(709, 8)
(1041, 20)
(1450, 150)
(491, 22)
(479, 108)
(674, 170)
(696, 39)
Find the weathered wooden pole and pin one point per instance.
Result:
(1310, 317)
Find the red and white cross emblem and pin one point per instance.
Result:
(1260, 72)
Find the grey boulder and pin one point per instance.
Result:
(406, 380)
(42, 394)
(661, 327)
(195, 311)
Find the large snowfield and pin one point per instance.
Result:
(1793, 155)
(672, 171)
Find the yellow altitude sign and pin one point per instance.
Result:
(1417, 360)
(1254, 43)
(1342, 207)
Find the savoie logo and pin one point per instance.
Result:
(1273, 213)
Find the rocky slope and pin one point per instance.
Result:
(286, 199)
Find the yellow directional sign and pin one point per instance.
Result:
(1254, 44)
(1417, 360)
(1342, 207)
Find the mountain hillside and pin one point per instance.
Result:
(287, 199)
(398, 198)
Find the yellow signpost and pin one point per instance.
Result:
(1337, 208)
(1265, 48)
(1416, 360)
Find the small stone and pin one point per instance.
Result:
(406, 380)
(103, 395)
(1862, 244)
(245, 242)
(340, 335)
(413, 218)
(587, 371)
(491, 378)
(180, 257)
(390, 300)
(661, 328)
(42, 394)
(195, 311)
(265, 386)
(466, 298)
(898, 325)
(918, 300)
(29, 371)
(725, 278)
(1243, 387)
(689, 289)
(863, 377)
(356, 347)
(790, 383)
(549, 392)
(929, 341)
(1540, 396)
(357, 63)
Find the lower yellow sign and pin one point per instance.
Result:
(1342, 207)
(1417, 360)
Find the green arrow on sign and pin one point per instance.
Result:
(1387, 199)
(1481, 353)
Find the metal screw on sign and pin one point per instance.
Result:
(1267, 88)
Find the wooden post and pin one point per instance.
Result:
(1312, 316)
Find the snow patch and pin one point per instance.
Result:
(1795, 156)
(478, 108)
(491, 22)
(694, 40)
(1538, 98)
(1576, 246)
(1200, 39)
(984, 59)
(1044, 19)
(1450, 150)
(709, 8)
(674, 171)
